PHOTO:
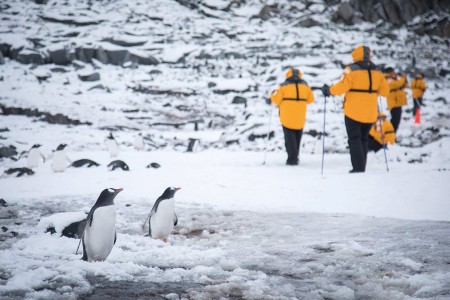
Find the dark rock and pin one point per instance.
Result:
(61, 57)
(155, 72)
(346, 13)
(2, 60)
(313, 133)
(118, 57)
(308, 22)
(143, 60)
(91, 77)
(444, 72)
(30, 57)
(85, 54)
(211, 84)
(5, 49)
(69, 21)
(239, 100)
(4, 228)
(124, 43)
(58, 70)
(74, 230)
(40, 1)
(3, 203)
(267, 12)
(7, 152)
(101, 55)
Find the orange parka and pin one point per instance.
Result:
(388, 132)
(291, 98)
(362, 82)
(397, 95)
(418, 87)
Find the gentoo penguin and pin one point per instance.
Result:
(162, 218)
(34, 156)
(154, 165)
(112, 145)
(139, 142)
(19, 171)
(84, 162)
(60, 159)
(116, 164)
(99, 234)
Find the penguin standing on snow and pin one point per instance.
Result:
(99, 234)
(34, 156)
(162, 218)
(60, 159)
(112, 145)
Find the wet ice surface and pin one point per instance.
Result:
(232, 254)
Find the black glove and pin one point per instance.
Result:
(326, 90)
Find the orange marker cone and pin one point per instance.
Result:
(417, 119)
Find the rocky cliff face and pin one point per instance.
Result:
(423, 17)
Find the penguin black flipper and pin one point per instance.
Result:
(175, 219)
(115, 237)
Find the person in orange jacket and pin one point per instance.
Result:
(291, 98)
(397, 96)
(362, 82)
(418, 88)
(381, 133)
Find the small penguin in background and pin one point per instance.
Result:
(112, 145)
(153, 165)
(162, 217)
(84, 162)
(99, 234)
(118, 164)
(139, 142)
(60, 160)
(34, 156)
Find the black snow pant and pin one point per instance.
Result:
(292, 140)
(418, 102)
(374, 145)
(358, 136)
(396, 116)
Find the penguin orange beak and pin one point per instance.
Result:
(119, 190)
(176, 189)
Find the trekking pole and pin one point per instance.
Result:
(323, 133)
(382, 136)
(268, 135)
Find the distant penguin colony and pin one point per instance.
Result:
(60, 159)
(162, 217)
(99, 234)
(118, 164)
(84, 163)
(34, 156)
(112, 145)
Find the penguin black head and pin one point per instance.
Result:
(61, 147)
(169, 193)
(36, 146)
(107, 196)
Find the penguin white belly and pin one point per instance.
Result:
(161, 222)
(99, 237)
(33, 158)
(113, 148)
(59, 162)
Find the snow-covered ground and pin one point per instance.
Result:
(246, 229)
